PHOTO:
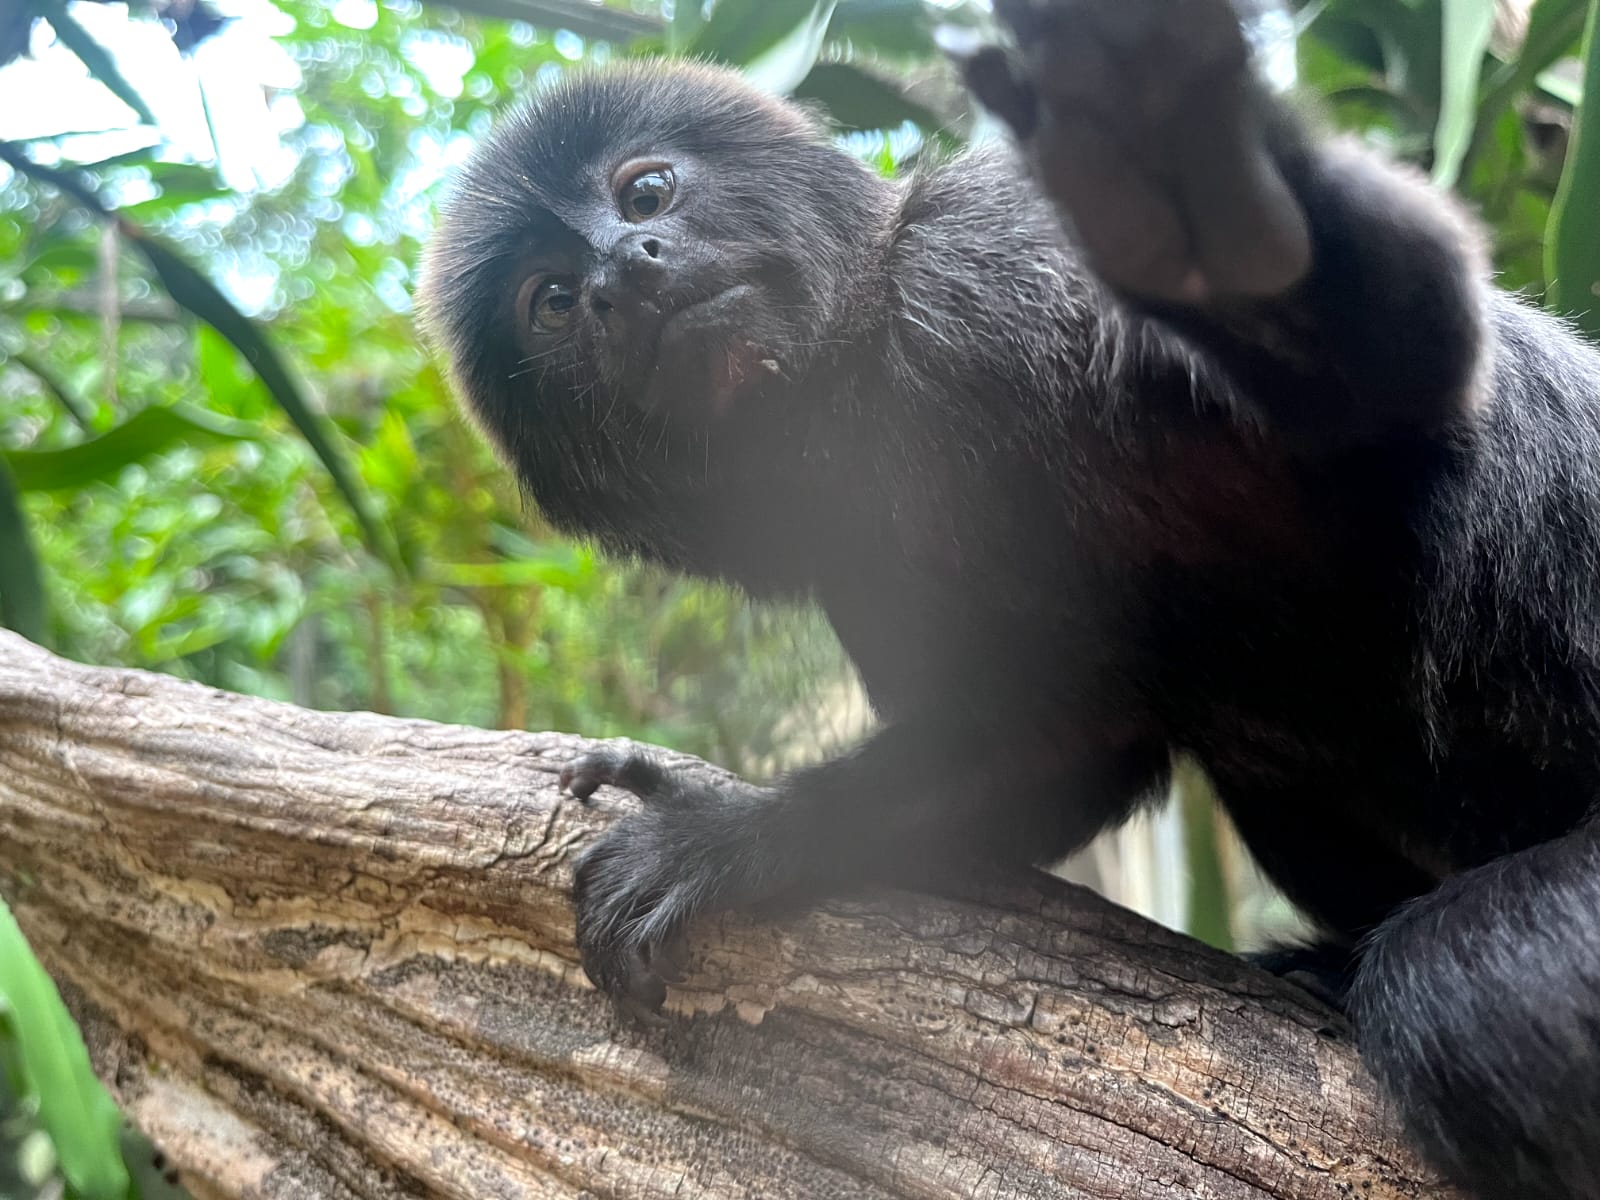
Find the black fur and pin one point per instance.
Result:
(1254, 464)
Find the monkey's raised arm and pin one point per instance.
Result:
(1343, 298)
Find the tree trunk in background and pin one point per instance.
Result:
(331, 956)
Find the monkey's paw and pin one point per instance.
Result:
(1326, 972)
(1144, 124)
(640, 885)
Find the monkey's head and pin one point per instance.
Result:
(635, 267)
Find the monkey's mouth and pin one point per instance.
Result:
(705, 356)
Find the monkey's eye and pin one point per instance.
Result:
(548, 303)
(646, 194)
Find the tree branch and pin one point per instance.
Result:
(330, 955)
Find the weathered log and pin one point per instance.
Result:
(330, 955)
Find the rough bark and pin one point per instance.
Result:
(330, 955)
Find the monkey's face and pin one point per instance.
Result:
(651, 289)
(644, 246)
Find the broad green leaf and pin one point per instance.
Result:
(857, 99)
(1554, 26)
(73, 1106)
(75, 408)
(895, 29)
(565, 570)
(66, 256)
(1572, 256)
(776, 42)
(60, 143)
(142, 435)
(780, 69)
(22, 605)
(194, 292)
(66, 182)
(1559, 87)
(688, 17)
(1467, 25)
(93, 55)
(180, 183)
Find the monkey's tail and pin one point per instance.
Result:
(1478, 1008)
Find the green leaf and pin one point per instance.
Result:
(1467, 25)
(1572, 257)
(142, 435)
(1553, 27)
(781, 69)
(57, 141)
(66, 182)
(22, 605)
(93, 55)
(1558, 87)
(193, 291)
(776, 42)
(81, 414)
(566, 569)
(180, 184)
(688, 18)
(73, 1106)
(897, 29)
(857, 99)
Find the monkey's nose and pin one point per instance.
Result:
(633, 277)
(642, 255)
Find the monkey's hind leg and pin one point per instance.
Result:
(1478, 1007)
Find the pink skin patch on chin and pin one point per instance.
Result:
(733, 368)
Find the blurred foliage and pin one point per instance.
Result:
(224, 453)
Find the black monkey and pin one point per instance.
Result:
(1250, 462)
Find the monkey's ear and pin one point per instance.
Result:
(987, 69)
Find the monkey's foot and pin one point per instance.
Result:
(1144, 124)
(637, 888)
(1326, 971)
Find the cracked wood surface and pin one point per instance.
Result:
(330, 955)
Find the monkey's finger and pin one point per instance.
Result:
(1251, 237)
(636, 773)
(642, 987)
(1130, 226)
(668, 957)
(619, 968)
(641, 1012)
(988, 72)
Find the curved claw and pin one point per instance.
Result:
(633, 904)
(630, 771)
(637, 888)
